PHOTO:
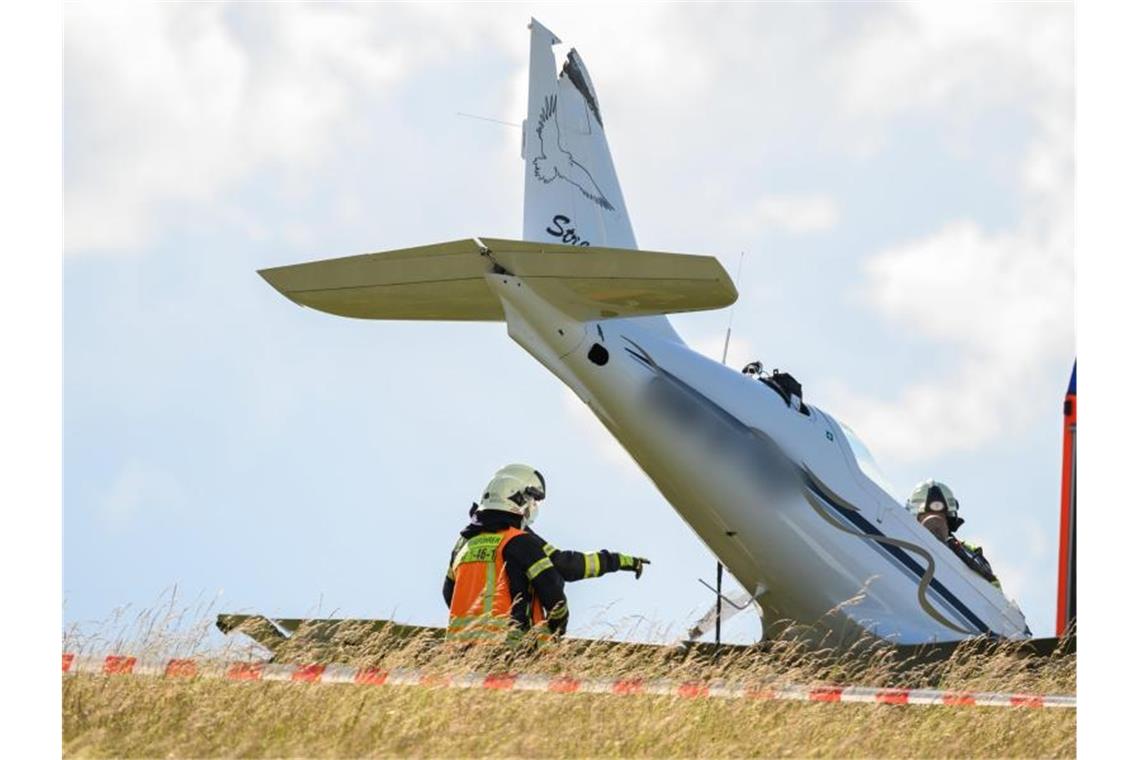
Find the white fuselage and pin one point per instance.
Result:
(843, 558)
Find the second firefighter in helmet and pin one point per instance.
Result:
(933, 503)
(502, 577)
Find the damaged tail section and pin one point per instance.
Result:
(571, 191)
(572, 195)
(578, 255)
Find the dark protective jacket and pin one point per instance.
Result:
(528, 575)
(972, 555)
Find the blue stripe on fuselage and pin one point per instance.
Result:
(860, 522)
(849, 513)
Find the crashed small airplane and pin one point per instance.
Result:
(780, 491)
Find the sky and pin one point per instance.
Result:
(899, 178)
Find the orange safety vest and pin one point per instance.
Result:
(481, 601)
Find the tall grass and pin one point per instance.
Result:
(127, 716)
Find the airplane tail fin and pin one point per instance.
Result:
(572, 195)
(579, 253)
(448, 281)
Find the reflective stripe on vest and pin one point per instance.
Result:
(481, 599)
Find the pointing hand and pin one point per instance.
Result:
(634, 564)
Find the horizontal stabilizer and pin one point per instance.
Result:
(447, 281)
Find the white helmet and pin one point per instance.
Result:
(926, 498)
(516, 488)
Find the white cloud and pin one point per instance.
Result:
(1003, 300)
(795, 214)
(956, 59)
(181, 102)
(169, 104)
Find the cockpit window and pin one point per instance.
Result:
(867, 462)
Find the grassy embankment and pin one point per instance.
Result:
(130, 716)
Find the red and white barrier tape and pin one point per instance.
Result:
(256, 671)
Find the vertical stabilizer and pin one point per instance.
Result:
(572, 195)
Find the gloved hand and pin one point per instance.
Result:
(634, 564)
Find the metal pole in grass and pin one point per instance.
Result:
(724, 360)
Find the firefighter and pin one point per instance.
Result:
(503, 579)
(934, 505)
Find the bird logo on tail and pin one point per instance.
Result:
(556, 162)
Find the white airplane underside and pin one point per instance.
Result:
(777, 491)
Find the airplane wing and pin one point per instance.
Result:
(344, 640)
